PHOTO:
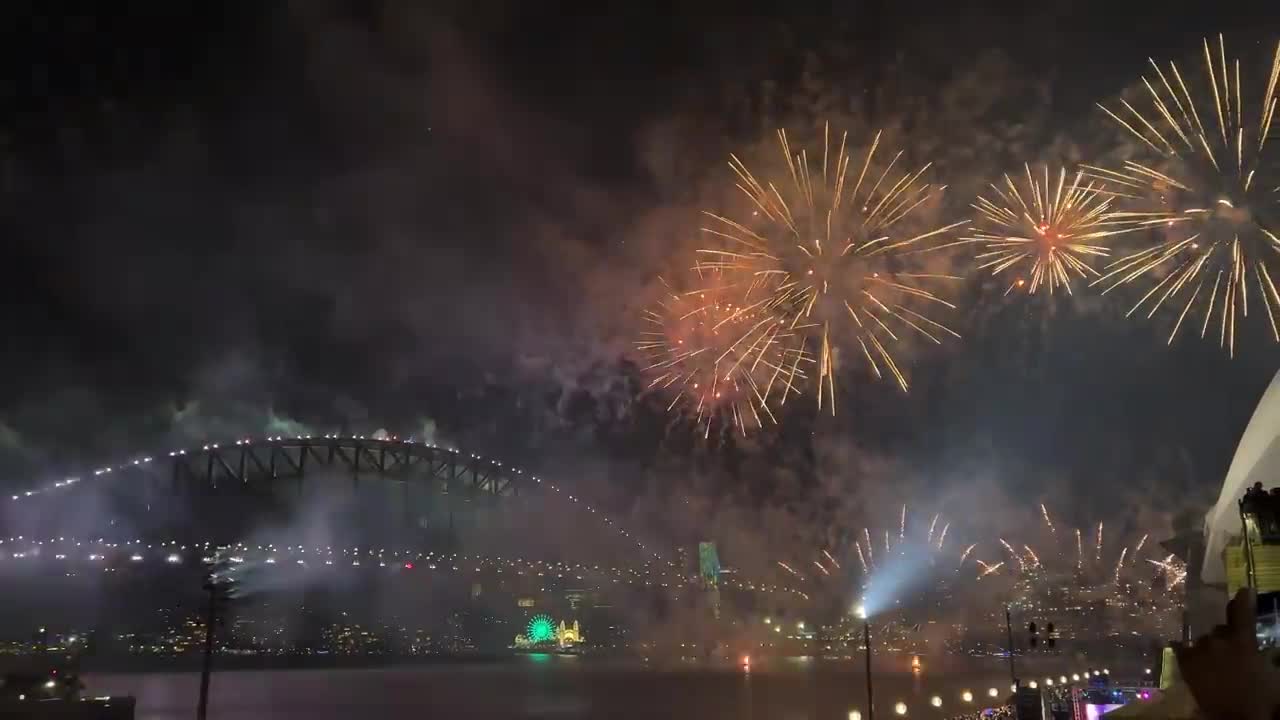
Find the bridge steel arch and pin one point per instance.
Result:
(249, 462)
(280, 458)
(253, 461)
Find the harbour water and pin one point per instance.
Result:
(549, 686)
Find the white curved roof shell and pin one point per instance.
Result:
(1257, 459)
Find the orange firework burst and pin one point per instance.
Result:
(721, 363)
(826, 248)
(1214, 196)
(1048, 235)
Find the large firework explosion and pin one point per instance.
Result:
(875, 549)
(1079, 552)
(720, 362)
(1212, 193)
(1082, 555)
(827, 249)
(1049, 235)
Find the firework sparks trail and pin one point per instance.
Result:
(823, 569)
(871, 554)
(1035, 559)
(1120, 564)
(966, 552)
(824, 248)
(1215, 197)
(719, 362)
(902, 525)
(989, 569)
(1098, 551)
(833, 560)
(1022, 564)
(787, 567)
(1138, 549)
(1175, 571)
(1079, 550)
(1045, 512)
(861, 558)
(932, 525)
(1179, 576)
(942, 537)
(886, 541)
(1049, 236)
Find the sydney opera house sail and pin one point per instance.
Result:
(1257, 459)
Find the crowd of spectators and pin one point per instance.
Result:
(1264, 507)
(1004, 712)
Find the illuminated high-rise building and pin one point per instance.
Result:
(709, 573)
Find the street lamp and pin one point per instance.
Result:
(935, 701)
(900, 708)
(966, 696)
(220, 591)
(1008, 628)
(992, 692)
(861, 612)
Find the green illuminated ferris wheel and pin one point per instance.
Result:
(540, 630)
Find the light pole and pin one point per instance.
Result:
(220, 590)
(1008, 625)
(202, 708)
(861, 611)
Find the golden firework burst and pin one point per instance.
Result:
(721, 362)
(1047, 236)
(988, 569)
(827, 248)
(1214, 196)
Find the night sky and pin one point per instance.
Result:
(360, 215)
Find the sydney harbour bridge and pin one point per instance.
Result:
(351, 512)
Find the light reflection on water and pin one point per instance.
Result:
(551, 686)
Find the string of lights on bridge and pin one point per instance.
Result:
(138, 551)
(392, 440)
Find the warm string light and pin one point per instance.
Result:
(966, 696)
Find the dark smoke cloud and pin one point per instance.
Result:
(380, 221)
